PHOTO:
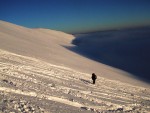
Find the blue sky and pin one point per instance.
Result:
(74, 16)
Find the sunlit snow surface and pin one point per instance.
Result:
(27, 82)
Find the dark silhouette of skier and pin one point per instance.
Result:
(94, 77)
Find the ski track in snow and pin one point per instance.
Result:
(22, 77)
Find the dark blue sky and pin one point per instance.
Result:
(76, 15)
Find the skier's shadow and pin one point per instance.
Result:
(86, 81)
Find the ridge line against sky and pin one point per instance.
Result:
(74, 16)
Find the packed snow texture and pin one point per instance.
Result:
(32, 85)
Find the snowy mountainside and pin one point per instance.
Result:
(31, 85)
(53, 47)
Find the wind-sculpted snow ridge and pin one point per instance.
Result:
(28, 85)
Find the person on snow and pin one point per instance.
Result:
(94, 77)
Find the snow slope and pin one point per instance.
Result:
(39, 74)
(31, 85)
(51, 46)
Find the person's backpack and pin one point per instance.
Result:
(94, 76)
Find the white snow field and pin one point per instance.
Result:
(38, 74)
(31, 85)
